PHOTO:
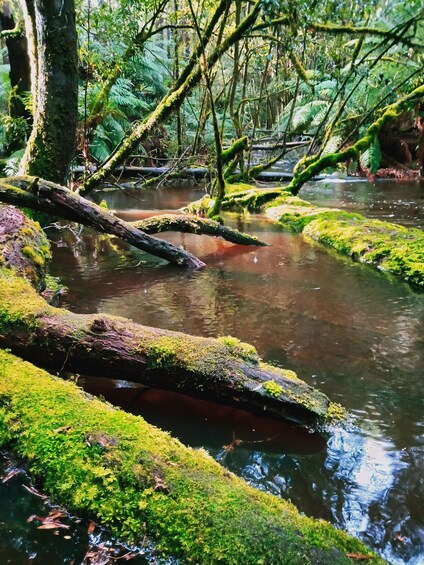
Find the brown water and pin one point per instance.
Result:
(352, 331)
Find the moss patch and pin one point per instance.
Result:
(239, 348)
(389, 247)
(23, 245)
(138, 480)
(19, 305)
(273, 388)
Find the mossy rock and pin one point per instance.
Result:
(24, 246)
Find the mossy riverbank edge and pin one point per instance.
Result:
(386, 246)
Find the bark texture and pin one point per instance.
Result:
(52, 44)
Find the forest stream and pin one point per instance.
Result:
(355, 333)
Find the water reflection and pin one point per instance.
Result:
(352, 331)
(390, 200)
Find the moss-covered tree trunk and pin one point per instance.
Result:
(52, 44)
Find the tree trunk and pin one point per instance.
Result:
(56, 200)
(20, 76)
(52, 43)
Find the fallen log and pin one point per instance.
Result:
(194, 224)
(58, 201)
(51, 198)
(223, 370)
(199, 173)
(135, 479)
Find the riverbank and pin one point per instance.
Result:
(389, 247)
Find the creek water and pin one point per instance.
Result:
(354, 332)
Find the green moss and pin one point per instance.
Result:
(389, 247)
(54, 284)
(36, 258)
(139, 481)
(273, 388)
(239, 348)
(19, 304)
(162, 353)
(336, 413)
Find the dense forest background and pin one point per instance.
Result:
(178, 83)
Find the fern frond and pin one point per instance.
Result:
(371, 157)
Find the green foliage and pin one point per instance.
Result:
(11, 167)
(370, 158)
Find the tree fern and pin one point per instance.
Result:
(370, 158)
(303, 116)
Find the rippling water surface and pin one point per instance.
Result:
(352, 331)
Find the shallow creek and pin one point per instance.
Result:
(355, 333)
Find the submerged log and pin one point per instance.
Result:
(140, 482)
(224, 370)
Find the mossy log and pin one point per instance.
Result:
(58, 201)
(196, 225)
(224, 370)
(140, 482)
(54, 199)
(308, 168)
